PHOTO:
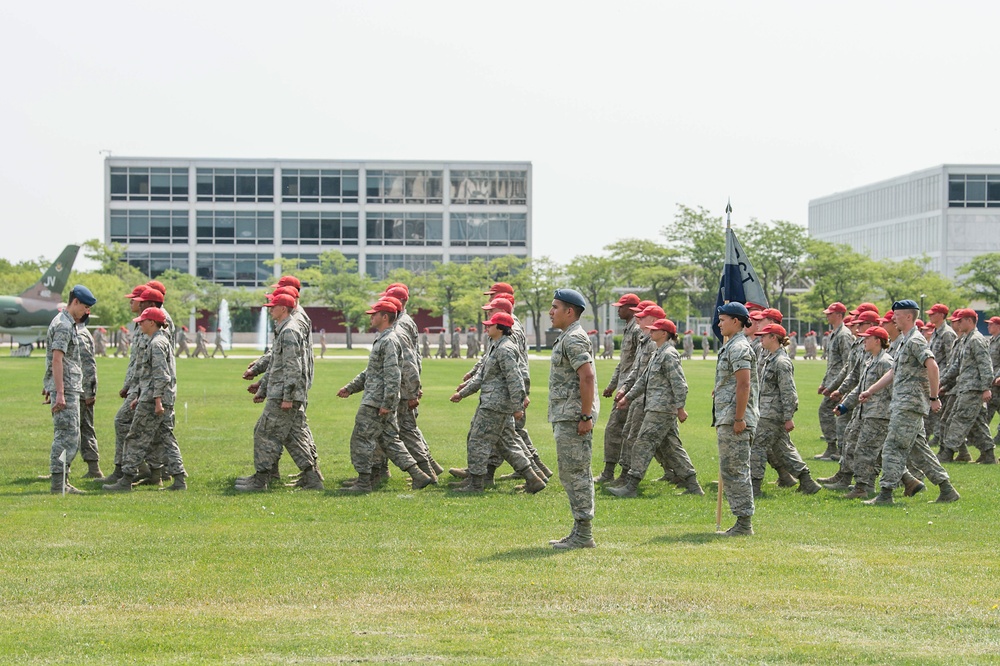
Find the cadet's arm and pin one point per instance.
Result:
(59, 403)
(587, 381)
(742, 398)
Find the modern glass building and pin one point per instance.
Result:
(950, 213)
(221, 219)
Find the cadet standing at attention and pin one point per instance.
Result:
(573, 406)
(688, 343)
(88, 436)
(968, 380)
(837, 350)
(614, 429)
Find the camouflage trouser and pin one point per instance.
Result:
(491, 432)
(867, 458)
(993, 406)
(849, 444)
(373, 431)
(771, 443)
(88, 436)
(614, 431)
(968, 420)
(734, 466)
(573, 457)
(66, 433)
(936, 425)
(279, 429)
(633, 424)
(842, 422)
(147, 431)
(827, 421)
(519, 444)
(905, 441)
(520, 426)
(409, 432)
(123, 422)
(659, 433)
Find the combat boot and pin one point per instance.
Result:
(362, 486)
(628, 489)
(948, 493)
(489, 481)
(426, 468)
(831, 453)
(474, 484)
(884, 498)
(582, 537)
(113, 477)
(459, 472)
(124, 484)
(438, 470)
(418, 479)
(621, 480)
(546, 472)
(513, 476)
(533, 481)
(93, 470)
(755, 485)
(566, 538)
(830, 479)
(311, 480)
(743, 527)
(607, 474)
(58, 487)
(257, 483)
(946, 455)
(842, 481)
(178, 484)
(963, 454)
(806, 484)
(987, 457)
(142, 473)
(786, 480)
(911, 486)
(155, 478)
(692, 487)
(859, 492)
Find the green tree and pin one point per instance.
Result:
(452, 290)
(338, 285)
(776, 251)
(594, 277)
(112, 309)
(982, 278)
(652, 268)
(910, 278)
(701, 239)
(185, 295)
(834, 273)
(15, 278)
(534, 285)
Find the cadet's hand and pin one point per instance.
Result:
(342, 393)
(382, 411)
(259, 398)
(122, 393)
(583, 427)
(621, 403)
(158, 410)
(456, 397)
(527, 401)
(935, 406)
(863, 397)
(821, 390)
(420, 393)
(248, 375)
(682, 414)
(48, 399)
(996, 382)
(286, 404)
(739, 426)
(461, 386)
(987, 395)
(835, 396)
(90, 401)
(59, 404)
(608, 392)
(413, 404)
(619, 395)
(253, 388)
(518, 415)
(467, 376)
(789, 425)
(134, 403)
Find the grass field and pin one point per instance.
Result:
(209, 576)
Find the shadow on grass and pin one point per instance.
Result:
(688, 537)
(521, 554)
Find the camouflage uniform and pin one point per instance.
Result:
(688, 345)
(130, 387)
(614, 430)
(837, 351)
(218, 345)
(471, 344)
(809, 346)
(156, 378)
(848, 428)
(609, 346)
(88, 365)
(665, 389)
(734, 450)
(778, 401)
(637, 408)
(522, 438)
(380, 381)
(994, 404)
(793, 347)
(501, 394)
(62, 335)
(456, 345)
(910, 403)
(570, 352)
(942, 342)
(967, 377)
(182, 343)
(100, 344)
(409, 389)
(425, 346)
(872, 418)
(199, 345)
(442, 348)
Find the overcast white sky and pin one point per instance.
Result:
(625, 109)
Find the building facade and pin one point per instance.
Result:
(950, 213)
(221, 219)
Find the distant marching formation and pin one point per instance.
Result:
(889, 380)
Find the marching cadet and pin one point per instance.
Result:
(609, 344)
(199, 343)
(425, 344)
(182, 342)
(914, 382)
(322, 342)
(735, 399)
(502, 397)
(665, 387)
(968, 380)
(152, 424)
(706, 344)
(456, 344)
(101, 342)
(793, 345)
(614, 430)
(123, 342)
(942, 341)
(442, 347)
(573, 406)
(218, 343)
(809, 346)
(778, 400)
(375, 423)
(63, 384)
(825, 344)
(595, 341)
(88, 436)
(471, 343)
(837, 350)
(688, 344)
(994, 405)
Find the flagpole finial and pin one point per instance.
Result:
(729, 210)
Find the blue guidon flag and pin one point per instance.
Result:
(739, 280)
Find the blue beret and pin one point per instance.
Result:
(734, 309)
(82, 294)
(571, 296)
(907, 304)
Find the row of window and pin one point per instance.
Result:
(973, 191)
(392, 186)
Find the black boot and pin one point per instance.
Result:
(628, 489)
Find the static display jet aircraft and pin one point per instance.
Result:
(26, 318)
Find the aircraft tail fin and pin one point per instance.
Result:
(53, 282)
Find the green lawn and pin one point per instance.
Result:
(209, 576)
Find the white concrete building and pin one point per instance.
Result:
(951, 213)
(221, 219)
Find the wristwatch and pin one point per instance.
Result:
(586, 417)
(935, 399)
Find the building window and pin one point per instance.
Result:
(319, 185)
(404, 228)
(319, 228)
(489, 229)
(149, 226)
(489, 187)
(401, 186)
(234, 270)
(154, 264)
(307, 260)
(235, 185)
(973, 191)
(149, 184)
(378, 266)
(235, 227)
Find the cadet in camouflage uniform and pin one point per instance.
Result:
(914, 382)
(124, 340)
(218, 344)
(809, 346)
(88, 436)
(706, 343)
(456, 344)
(63, 384)
(471, 343)
(442, 347)
(665, 387)
(425, 344)
(573, 407)
(152, 424)
(942, 341)
(609, 344)
(837, 351)
(968, 380)
(322, 343)
(793, 345)
(100, 342)
(994, 405)
(182, 342)
(688, 344)
(375, 423)
(779, 401)
(614, 430)
(501, 397)
(735, 414)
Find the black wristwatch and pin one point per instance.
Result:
(586, 417)
(934, 399)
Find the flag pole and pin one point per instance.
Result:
(718, 499)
